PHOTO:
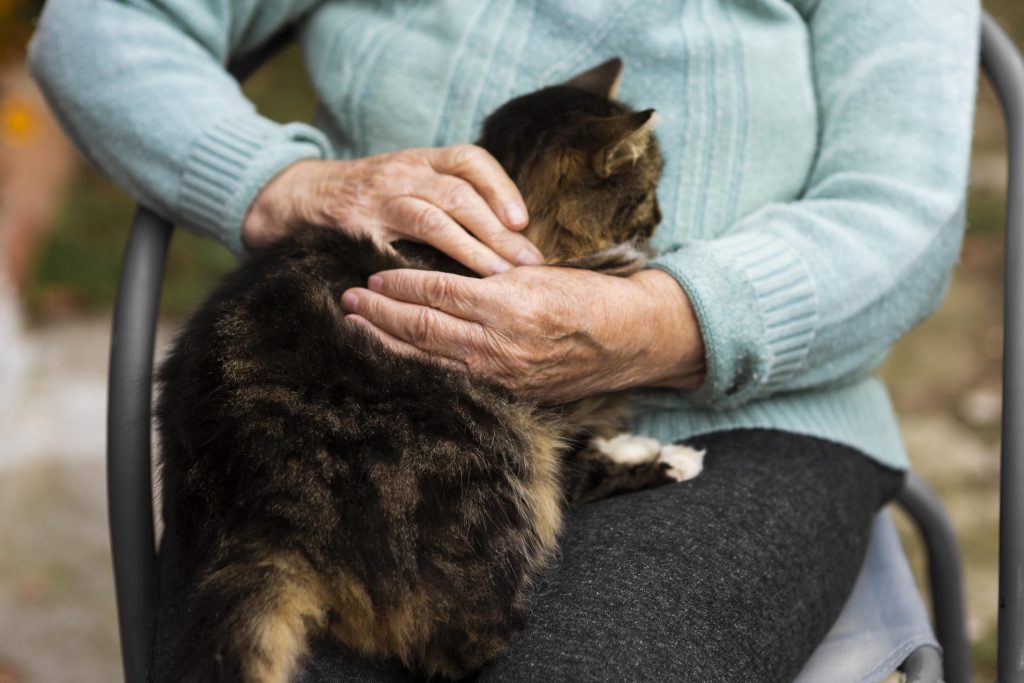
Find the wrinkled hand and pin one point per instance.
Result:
(550, 333)
(457, 199)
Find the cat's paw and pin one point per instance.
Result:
(683, 462)
(629, 449)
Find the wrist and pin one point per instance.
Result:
(673, 354)
(282, 204)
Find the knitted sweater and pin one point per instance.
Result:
(816, 153)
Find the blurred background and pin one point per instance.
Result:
(62, 229)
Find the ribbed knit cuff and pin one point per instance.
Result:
(231, 162)
(756, 305)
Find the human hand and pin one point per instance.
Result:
(457, 199)
(554, 334)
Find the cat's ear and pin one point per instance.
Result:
(619, 141)
(602, 80)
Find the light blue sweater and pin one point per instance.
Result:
(816, 152)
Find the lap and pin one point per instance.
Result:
(735, 575)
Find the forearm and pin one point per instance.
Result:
(657, 315)
(555, 334)
(812, 292)
(142, 91)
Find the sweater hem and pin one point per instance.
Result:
(859, 415)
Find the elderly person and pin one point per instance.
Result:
(816, 157)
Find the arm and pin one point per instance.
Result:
(547, 332)
(815, 291)
(142, 90)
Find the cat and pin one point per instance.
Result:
(320, 483)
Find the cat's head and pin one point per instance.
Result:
(587, 166)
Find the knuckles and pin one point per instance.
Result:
(442, 293)
(426, 221)
(422, 328)
(466, 154)
(458, 194)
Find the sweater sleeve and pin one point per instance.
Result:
(814, 291)
(142, 90)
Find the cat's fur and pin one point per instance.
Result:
(318, 482)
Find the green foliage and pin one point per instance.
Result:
(280, 89)
(80, 265)
(986, 209)
(1009, 13)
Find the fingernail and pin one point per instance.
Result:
(515, 213)
(350, 301)
(374, 283)
(501, 266)
(529, 257)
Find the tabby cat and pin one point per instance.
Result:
(320, 483)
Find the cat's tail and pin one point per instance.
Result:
(250, 618)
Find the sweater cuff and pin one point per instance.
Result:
(757, 308)
(230, 164)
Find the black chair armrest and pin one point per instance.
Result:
(944, 574)
(129, 483)
(1005, 69)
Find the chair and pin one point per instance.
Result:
(129, 481)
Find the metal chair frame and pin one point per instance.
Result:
(130, 486)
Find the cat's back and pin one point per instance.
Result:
(271, 321)
(270, 394)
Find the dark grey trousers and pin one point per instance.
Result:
(736, 575)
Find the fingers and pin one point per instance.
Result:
(476, 165)
(422, 327)
(462, 201)
(425, 222)
(463, 297)
(398, 345)
(457, 199)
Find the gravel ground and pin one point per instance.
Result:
(57, 619)
(57, 616)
